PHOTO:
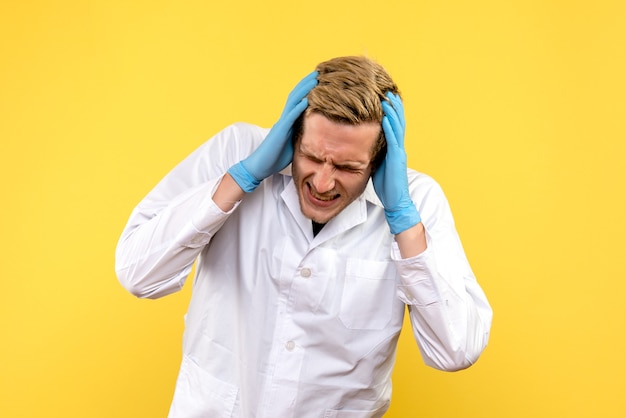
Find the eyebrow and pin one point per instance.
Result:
(340, 164)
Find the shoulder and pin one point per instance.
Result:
(425, 190)
(422, 183)
(225, 148)
(430, 200)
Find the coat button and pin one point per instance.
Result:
(305, 272)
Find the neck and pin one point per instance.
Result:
(317, 227)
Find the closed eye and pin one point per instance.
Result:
(349, 168)
(342, 167)
(314, 159)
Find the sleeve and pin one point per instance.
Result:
(449, 312)
(172, 224)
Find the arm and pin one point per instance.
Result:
(449, 313)
(228, 193)
(412, 241)
(172, 225)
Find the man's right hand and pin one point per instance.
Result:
(276, 151)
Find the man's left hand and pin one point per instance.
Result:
(390, 179)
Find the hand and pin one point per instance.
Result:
(390, 179)
(276, 150)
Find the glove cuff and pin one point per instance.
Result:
(402, 219)
(243, 178)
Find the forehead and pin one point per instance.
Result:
(330, 138)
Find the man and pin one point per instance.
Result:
(305, 266)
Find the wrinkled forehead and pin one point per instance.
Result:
(321, 135)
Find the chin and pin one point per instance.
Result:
(315, 216)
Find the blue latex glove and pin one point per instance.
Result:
(276, 150)
(390, 180)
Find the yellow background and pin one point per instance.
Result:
(516, 107)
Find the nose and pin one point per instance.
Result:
(324, 180)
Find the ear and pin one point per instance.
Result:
(297, 129)
(379, 152)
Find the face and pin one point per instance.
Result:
(331, 165)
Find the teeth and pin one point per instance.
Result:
(322, 197)
(325, 198)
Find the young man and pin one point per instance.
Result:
(304, 265)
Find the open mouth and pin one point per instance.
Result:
(325, 199)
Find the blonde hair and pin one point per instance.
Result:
(350, 90)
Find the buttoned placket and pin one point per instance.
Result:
(297, 294)
(287, 353)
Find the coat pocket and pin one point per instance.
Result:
(368, 294)
(200, 395)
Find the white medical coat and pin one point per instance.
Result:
(285, 324)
